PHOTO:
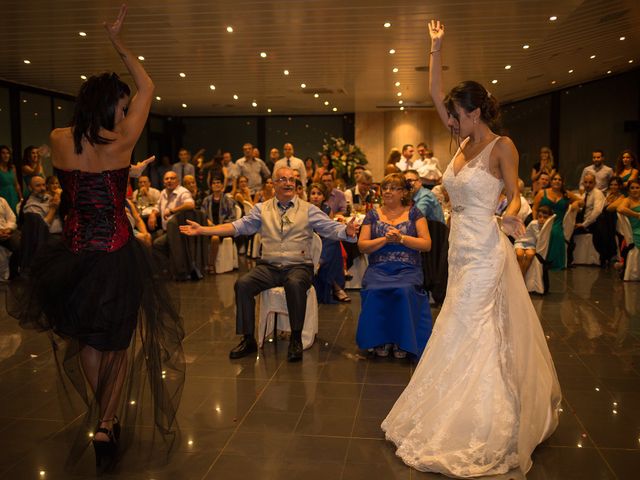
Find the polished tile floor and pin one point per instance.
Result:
(262, 418)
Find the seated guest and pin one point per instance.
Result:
(357, 170)
(336, 199)
(423, 198)
(544, 166)
(145, 197)
(443, 198)
(393, 158)
(10, 235)
(544, 181)
(241, 192)
(329, 281)
(429, 172)
(44, 204)
(286, 226)
(326, 165)
(53, 185)
(190, 184)
(302, 195)
(137, 224)
(630, 207)
(266, 193)
(219, 208)
(174, 199)
(395, 309)
(627, 168)
(361, 195)
(592, 204)
(526, 245)
(559, 200)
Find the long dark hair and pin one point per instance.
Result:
(26, 155)
(620, 165)
(10, 163)
(96, 107)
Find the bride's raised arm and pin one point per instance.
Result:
(436, 31)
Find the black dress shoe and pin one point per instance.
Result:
(295, 351)
(246, 347)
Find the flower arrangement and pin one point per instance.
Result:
(344, 156)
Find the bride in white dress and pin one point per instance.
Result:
(485, 392)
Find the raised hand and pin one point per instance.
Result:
(136, 170)
(352, 227)
(113, 29)
(436, 32)
(191, 229)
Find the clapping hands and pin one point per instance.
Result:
(393, 235)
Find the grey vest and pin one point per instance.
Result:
(286, 239)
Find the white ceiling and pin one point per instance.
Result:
(338, 48)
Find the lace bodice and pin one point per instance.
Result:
(393, 252)
(93, 208)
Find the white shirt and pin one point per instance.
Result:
(403, 165)
(294, 163)
(430, 169)
(40, 206)
(603, 176)
(7, 217)
(180, 196)
(593, 206)
(146, 203)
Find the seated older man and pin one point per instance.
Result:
(173, 200)
(145, 198)
(44, 204)
(286, 224)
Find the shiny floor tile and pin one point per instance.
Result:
(261, 417)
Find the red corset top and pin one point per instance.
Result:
(93, 208)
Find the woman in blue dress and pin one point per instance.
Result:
(395, 309)
(329, 281)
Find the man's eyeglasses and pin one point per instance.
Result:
(286, 180)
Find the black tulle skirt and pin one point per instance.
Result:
(118, 304)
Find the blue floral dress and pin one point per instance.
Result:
(395, 308)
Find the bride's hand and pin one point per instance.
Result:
(113, 29)
(513, 226)
(436, 32)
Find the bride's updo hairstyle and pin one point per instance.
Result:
(397, 180)
(471, 95)
(96, 107)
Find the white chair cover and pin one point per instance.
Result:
(632, 263)
(274, 302)
(227, 259)
(585, 253)
(534, 276)
(356, 271)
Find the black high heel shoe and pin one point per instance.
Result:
(105, 450)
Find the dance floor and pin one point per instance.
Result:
(263, 418)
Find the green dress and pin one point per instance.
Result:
(8, 188)
(557, 254)
(635, 226)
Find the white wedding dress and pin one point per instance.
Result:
(485, 392)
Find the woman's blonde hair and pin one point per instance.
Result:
(548, 151)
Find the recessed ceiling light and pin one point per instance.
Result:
(303, 85)
(182, 74)
(235, 97)
(315, 95)
(141, 58)
(230, 29)
(608, 72)
(286, 72)
(386, 24)
(399, 94)
(494, 81)
(395, 69)
(59, 107)
(401, 108)
(525, 47)
(571, 71)
(592, 57)
(27, 61)
(622, 38)
(24, 100)
(507, 67)
(553, 82)
(326, 102)
(158, 98)
(254, 104)
(397, 84)
(83, 77)
(631, 61)
(82, 34)
(553, 18)
(263, 54)
(212, 87)
(392, 51)
(268, 110)
(184, 105)
(335, 109)
(400, 102)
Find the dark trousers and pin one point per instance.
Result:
(296, 280)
